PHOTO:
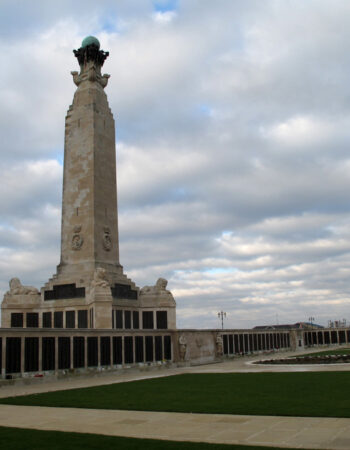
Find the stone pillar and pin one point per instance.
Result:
(89, 212)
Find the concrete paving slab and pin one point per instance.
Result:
(321, 433)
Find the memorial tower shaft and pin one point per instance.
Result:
(89, 235)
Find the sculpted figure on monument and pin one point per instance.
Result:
(100, 279)
(182, 347)
(219, 345)
(107, 240)
(16, 288)
(77, 239)
(90, 59)
(159, 288)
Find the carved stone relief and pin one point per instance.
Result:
(182, 347)
(100, 279)
(107, 240)
(219, 345)
(77, 239)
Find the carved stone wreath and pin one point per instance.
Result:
(107, 240)
(77, 239)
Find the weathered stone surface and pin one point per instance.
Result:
(197, 346)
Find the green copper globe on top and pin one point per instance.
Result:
(89, 40)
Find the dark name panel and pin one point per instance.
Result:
(48, 353)
(158, 346)
(149, 348)
(31, 354)
(230, 342)
(70, 319)
(225, 341)
(82, 318)
(135, 320)
(117, 350)
(123, 291)
(139, 349)
(105, 347)
(32, 320)
(127, 320)
(63, 353)
(147, 320)
(13, 355)
(17, 320)
(118, 319)
(47, 320)
(92, 352)
(162, 320)
(128, 350)
(64, 291)
(167, 347)
(78, 351)
(58, 319)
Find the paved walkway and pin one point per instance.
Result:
(294, 432)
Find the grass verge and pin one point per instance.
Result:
(23, 439)
(307, 394)
(341, 351)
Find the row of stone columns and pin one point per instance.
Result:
(326, 337)
(237, 343)
(19, 352)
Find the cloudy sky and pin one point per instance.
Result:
(233, 155)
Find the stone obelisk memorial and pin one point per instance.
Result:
(89, 285)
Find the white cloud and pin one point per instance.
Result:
(164, 18)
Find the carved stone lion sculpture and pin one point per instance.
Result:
(16, 288)
(159, 288)
(100, 279)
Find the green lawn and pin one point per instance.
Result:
(315, 394)
(21, 439)
(338, 351)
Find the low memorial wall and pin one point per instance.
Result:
(33, 351)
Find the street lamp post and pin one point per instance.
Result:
(221, 316)
(311, 319)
